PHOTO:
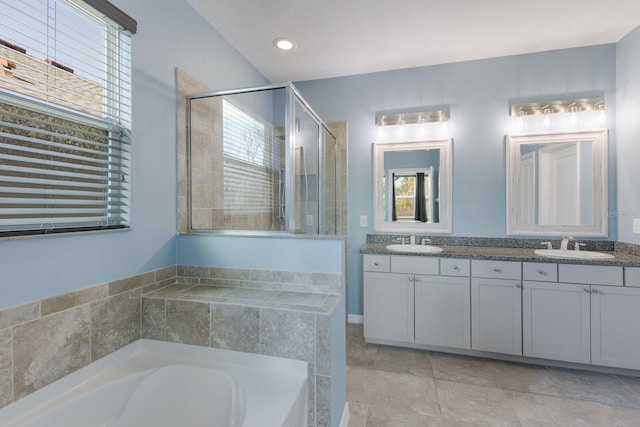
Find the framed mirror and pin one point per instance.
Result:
(557, 184)
(412, 186)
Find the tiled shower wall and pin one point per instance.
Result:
(45, 340)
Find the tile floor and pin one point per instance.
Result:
(389, 386)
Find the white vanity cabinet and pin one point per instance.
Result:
(407, 301)
(496, 306)
(556, 321)
(587, 317)
(388, 301)
(443, 306)
(578, 313)
(615, 326)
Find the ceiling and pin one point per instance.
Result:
(345, 37)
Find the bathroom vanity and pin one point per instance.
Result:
(505, 302)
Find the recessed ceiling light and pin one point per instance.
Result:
(284, 44)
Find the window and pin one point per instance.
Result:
(251, 162)
(412, 196)
(65, 108)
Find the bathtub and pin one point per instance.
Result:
(154, 383)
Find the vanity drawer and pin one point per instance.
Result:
(455, 267)
(415, 265)
(540, 271)
(590, 274)
(496, 269)
(377, 263)
(632, 276)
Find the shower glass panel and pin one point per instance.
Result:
(306, 149)
(328, 195)
(257, 162)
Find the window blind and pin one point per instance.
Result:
(65, 123)
(251, 161)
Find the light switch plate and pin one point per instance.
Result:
(364, 220)
(636, 226)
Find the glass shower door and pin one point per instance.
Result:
(305, 206)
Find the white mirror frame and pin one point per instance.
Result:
(599, 226)
(445, 193)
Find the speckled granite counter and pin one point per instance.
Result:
(504, 254)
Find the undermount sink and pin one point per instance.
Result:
(572, 254)
(414, 249)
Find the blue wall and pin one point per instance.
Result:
(171, 35)
(478, 93)
(306, 255)
(628, 134)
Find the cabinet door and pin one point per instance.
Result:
(443, 311)
(496, 315)
(615, 336)
(388, 306)
(556, 321)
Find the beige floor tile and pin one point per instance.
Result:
(403, 398)
(475, 404)
(392, 386)
(360, 353)
(357, 414)
(360, 385)
(403, 361)
(590, 386)
(494, 373)
(535, 410)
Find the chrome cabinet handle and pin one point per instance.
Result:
(376, 264)
(455, 267)
(519, 285)
(587, 290)
(542, 272)
(497, 270)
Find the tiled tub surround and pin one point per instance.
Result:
(45, 340)
(267, 312)
(282, 314)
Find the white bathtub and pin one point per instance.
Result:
(154, 383)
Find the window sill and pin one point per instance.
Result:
(66, 234)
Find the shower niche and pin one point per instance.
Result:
(259, 160)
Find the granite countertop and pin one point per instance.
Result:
(504, 254)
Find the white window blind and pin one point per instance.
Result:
(251, 162)
(65, 107)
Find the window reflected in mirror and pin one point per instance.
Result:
(411, 180)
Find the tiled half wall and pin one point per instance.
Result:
(45, 340)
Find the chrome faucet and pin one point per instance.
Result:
(565, 242)
(412, 239)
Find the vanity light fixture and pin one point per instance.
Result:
(559, 106)
(283, 43)
(411, 117)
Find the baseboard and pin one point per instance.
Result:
(355, 318)
(344, 422)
